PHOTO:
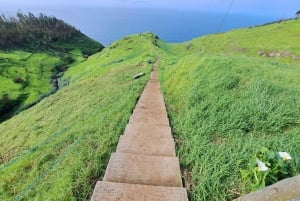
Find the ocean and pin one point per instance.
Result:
(109, 24)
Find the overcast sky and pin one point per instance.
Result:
(278, 8)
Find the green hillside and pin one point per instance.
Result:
(57, 149)
(34, 53)
(231, 98)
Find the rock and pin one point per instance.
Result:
(261, 53)
(272, 54)
(138, 75)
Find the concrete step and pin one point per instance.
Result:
(152, 101)
(150, 114)
(148, 111)
(148, 106)
(153, 75)
(142, 169)
(108, 191)
(152, 84)
(151, 88)
(145, 130)
(150, 119)
(146, 146)
(152, 97)
(140, 113)
(151, 93)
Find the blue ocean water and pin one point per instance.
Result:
(109, 24)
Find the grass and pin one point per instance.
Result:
(272, 38)
(27, 74)
(118, 54)
(57, 149)
(226, 103)
(228, 96)
(34, 70)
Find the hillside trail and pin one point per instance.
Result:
(144, 166)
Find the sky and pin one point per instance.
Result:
(278, 8)
(175, 25)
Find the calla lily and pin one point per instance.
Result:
(261, 166)
(285, 155)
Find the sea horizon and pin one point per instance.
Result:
(173, 26)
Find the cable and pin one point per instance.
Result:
(225, 16)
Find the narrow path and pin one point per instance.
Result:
(145, 166)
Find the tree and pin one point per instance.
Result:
(31, 29)
(298, 14)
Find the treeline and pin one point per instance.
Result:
(28, 28)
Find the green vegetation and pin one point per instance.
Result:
(274, 168)
(30, 30)
(298, 14)
(228, 96)
(35, 51)
(57, 149)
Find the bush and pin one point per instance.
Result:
(265, 168)
(18, 80)
(6, 104)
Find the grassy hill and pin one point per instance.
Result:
(231, 98)
(34, 53)
(57, 149)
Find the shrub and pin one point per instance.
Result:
(18, 80)
(267, 167)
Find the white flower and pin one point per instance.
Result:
(261, 166)
(285, 155)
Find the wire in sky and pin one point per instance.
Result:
(225, 16)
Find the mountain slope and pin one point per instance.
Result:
(57, 149)
(232, 98)
(34, 53)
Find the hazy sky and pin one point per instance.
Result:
(279, 8)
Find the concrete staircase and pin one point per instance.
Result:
(145, 166)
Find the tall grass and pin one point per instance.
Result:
(225, 106)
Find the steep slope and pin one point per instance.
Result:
(34, 53)
(232, 98)
(57, 149)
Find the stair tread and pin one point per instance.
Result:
(146, 146)
(143, 169)
(109, 191)
(149, 120)
(143, 130)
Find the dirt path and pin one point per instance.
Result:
(145, 166)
